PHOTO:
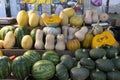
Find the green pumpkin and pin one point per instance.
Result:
(61, 72)
(113, 75)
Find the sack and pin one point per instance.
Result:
(96, 2)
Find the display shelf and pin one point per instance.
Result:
(17, 52)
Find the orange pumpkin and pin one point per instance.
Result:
(73, 44)
(105, 38)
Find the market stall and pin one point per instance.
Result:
(68, 46)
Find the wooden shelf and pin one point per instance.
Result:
(18, 52)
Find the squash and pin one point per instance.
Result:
(9, 40)
(39, 40)
(33, 20)
(27, 42)
(104, 64)
(69, 12)
(44, 15)
(88, 40)
(103, 17)
(61, 72)
(97, 75)
(116, 62)
(95, 18)
(113, 75)
(41, 23)
(76, 21)
(30, 12)
(97, 29)
(105, 38)
(71, 32)
(1, 44)
(87, 63)
(67, 61)
(73, 44)
(111, 52)
(79, 73)
(64, 18)
(81, 53)
(52, 21)
(49, 43)
(60, 45)
(65, 32)
(52, 30)
(22, 18)
(81, 33)
(97, 53)
(88, 17)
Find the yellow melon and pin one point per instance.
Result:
(22, 18)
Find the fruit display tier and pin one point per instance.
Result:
(18, 52)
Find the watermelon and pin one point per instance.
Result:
(4, 67)
(19, 33)
(51, 56)
(43, 70)
(20, 68)
(32, 56)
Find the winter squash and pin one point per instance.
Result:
(60, 45)
(73, 44)
(69, 12)
(71, 32)
(94, 16)
(39, 40)
(64, 19)
(52, 30)
(81, 33)
(103, 17)
(49, 43)
(88, 17)
(65, 32)
(97, 29)
(52, 20)
(105, 38)
(76, 21)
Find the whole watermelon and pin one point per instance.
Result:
(32, 56)
(19, 33)
(4, 67)
(20, 68)
(43, 70)
(52, 56)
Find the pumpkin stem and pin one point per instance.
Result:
(97, 70)
(104, 57)
(113, 69)
(78, 64)
(89, 58)
(116, 55)
(84, 50)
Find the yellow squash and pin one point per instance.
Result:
(22, 18)
(105, 38)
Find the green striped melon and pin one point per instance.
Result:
(4, 67)
(52, 56)
(20, 68)
(43, 70)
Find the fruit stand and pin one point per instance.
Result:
(67, 46)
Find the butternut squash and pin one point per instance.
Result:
(39, 40)
(49, 43)
(1, 44)
(95, 16)
(71, 32)
(60, 45)
(64, 19)
(81, 33)
(88, 17)
(9, 40)
(65, 32)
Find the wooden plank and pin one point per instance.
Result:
(18, 52)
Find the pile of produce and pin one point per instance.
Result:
(56, 32)
(95, 64)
